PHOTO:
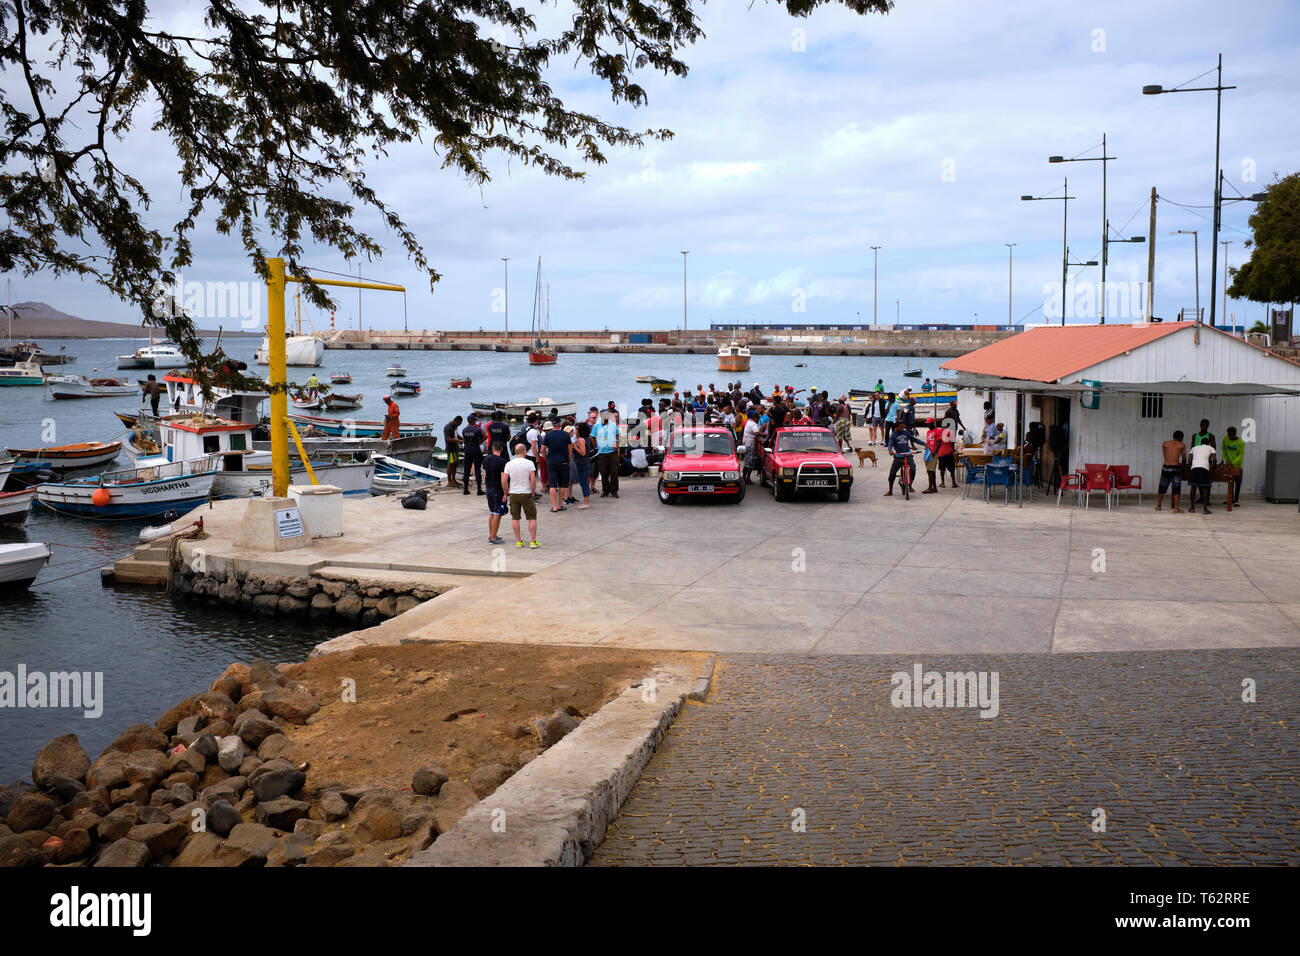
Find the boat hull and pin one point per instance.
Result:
(304, 350)
(64, 457)
(15, 506)
(541, 358)
(144, 499)
(21, 563)
(351, 478)
(346, 428)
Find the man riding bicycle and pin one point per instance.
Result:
(900, 446)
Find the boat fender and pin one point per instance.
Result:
(154, 533)
(416, 500)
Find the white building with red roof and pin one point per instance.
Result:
(1113, 393)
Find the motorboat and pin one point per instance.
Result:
(461, 383)
(352, 428)
(733, 357)
(60, 458)
(336, 402)
(184, 394)
(78, 386)
(22, 373)
(14, 506)
(405, 388)
(142, 492)
(21, 563)
(155, 355)
(395, 370)
(340, 378)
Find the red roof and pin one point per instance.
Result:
(1049, 353)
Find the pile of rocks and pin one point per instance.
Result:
(216, 782)
(309, 597)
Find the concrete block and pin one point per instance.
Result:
(268, 525)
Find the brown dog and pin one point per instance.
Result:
(864, 454)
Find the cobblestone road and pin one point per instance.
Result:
(1161, 741)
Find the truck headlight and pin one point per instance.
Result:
(672, 475)
(731, 476)
(787, 472)
(844, 472)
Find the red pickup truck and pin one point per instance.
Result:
(805, 458)
(700, 461)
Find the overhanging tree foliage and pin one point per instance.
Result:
(274, 108)
(1272, 273)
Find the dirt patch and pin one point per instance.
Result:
(455, 705)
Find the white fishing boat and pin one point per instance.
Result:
(146, 492)
(22, 373)
(155, 355)
(394, 476)
(20, 563)
(515, 411)
(185, 395)
(78, 386)
(395, 370)
(6, 466)
(307, 401)
(240, 471)
(337, 402)
(14, 506)
(299, 349)
(405, 388)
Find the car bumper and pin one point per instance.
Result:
(719, 488)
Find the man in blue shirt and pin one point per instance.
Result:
(900, 446)
(606, 436)
(891, 415)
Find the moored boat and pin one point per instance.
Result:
(352, 428)
(86, 454)
(147, 492)
(21, 563)
(341, 378)
(405, 388)
(305, 350)
(394, 476)
(78, 386)
(733, 357)
(395, 370)
(14, 506)
(22, 373)
(461, 383)
(335, 401)
(307, 402)
(158, 355)
(515, 411)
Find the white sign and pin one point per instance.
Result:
(288, 523)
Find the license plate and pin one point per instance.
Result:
(699, 488)
(818, 482)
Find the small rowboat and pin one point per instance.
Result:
(405, 388)
(335, 401)
(308, 403)
(394, 476)
(660, 385)
(20, 563)
(460, 383)
(395, 370)
(78, 386)
(646, 379)
(14, 506)
(341, 378)
(86, 454)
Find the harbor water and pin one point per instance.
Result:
(153, 651)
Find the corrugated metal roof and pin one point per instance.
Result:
(1049, 353)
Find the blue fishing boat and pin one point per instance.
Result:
(132, 493)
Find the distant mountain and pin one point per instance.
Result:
(38, 320)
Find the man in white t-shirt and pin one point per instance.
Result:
(520, 480)
(1202, 458)
(749, 438)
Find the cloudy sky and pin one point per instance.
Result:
(802, 143)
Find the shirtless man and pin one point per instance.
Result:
(1174, 452)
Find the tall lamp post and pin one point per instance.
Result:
(506, 260)
(1254, 197)
(1010, 246)
(1065, 249)
(684, 252)
(875, 272)
(1103, 159)
(1154, 90)
(1196, 254)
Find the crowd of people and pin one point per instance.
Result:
(1200, 459)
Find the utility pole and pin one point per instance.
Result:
(1151, 260)
(684, 252)
(1225, 243)
(1010, 246)
(1065, 246)
(506, 260)
(875, 273)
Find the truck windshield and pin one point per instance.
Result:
(817, 440)
(695, 444)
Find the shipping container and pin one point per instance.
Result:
(640, 338)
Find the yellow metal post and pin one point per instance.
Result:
(278, 378)
(306, 462)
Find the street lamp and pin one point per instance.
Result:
(684, 252)
(1103, 159)
(875, 272)
(1065, 249)
(506, 260)
(1010, 246)
(1218, 88)
(1197, 273)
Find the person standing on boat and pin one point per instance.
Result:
(472, 441)
(313, 385)
(152, 392)
(392, 421)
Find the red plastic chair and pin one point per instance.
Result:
(1123, 481)
(1095, 478)
(1064, 481)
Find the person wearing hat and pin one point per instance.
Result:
(392, 421)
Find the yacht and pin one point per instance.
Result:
(158, 355)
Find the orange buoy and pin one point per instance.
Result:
(100, 498)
